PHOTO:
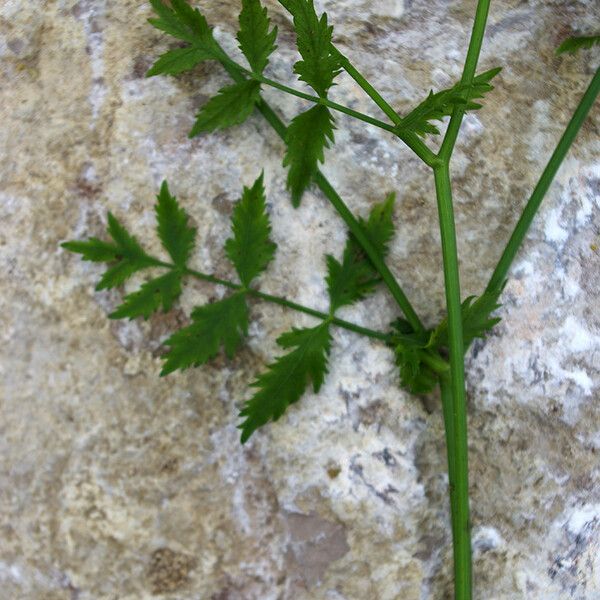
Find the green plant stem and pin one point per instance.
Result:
(342, 209)
(516, 239)
(460, 528)
(481, 14)
(316, 99)
(410, 139)
(448, 412)
(378, 335)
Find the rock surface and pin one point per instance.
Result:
(117, 484)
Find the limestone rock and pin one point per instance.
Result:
(117, 484)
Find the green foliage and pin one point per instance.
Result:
(379, 227)
(216, 325)
(231, 106)
(441, 104)
(287, 378)
(256, 41)
(412, 357)
(319, 65)
(354, 277)
(94, 250)
(129, 257)
(418, 353)
(186, 24)
(573, 44)
(307, 137)
(161, 291)
(126, 254)
(250, 249)
(476, 319)
(172, 225)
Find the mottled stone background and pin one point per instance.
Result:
(116, 484)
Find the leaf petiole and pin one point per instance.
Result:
(378, 335)
(316, 99)
(410, 139)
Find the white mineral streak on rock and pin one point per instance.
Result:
(92, 13)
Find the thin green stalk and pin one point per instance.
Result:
(410, 139)
(343, 210)
(461, 527)
(448, 412)
(378, 335)
(534, 202)
(481, 14)
(316, 99)
(367, 87)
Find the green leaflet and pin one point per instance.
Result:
(414, 360)
(287, 378)
(181, 21)
(476, 319)
(441, 104)
(94, 250)
(348, 281)
(176, 236)
(308, 135)
(379, 227)
(418, 354)
(231, 106)
(126, 252)
(355, 276)
(162, 291)
(174, 62)
(320, 65)
(250, 249)
(187, 24)
(256, 41)
(222, 323)
(573, 44)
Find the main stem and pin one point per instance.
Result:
(460, 520)
(448, 411)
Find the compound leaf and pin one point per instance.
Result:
(287, 378)
(255, 40)
(221, 324)
(231, 106)
(308, 135)
(176, 235)
(441, 104)
(250, 249)
(319, 65)
(162, 291)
